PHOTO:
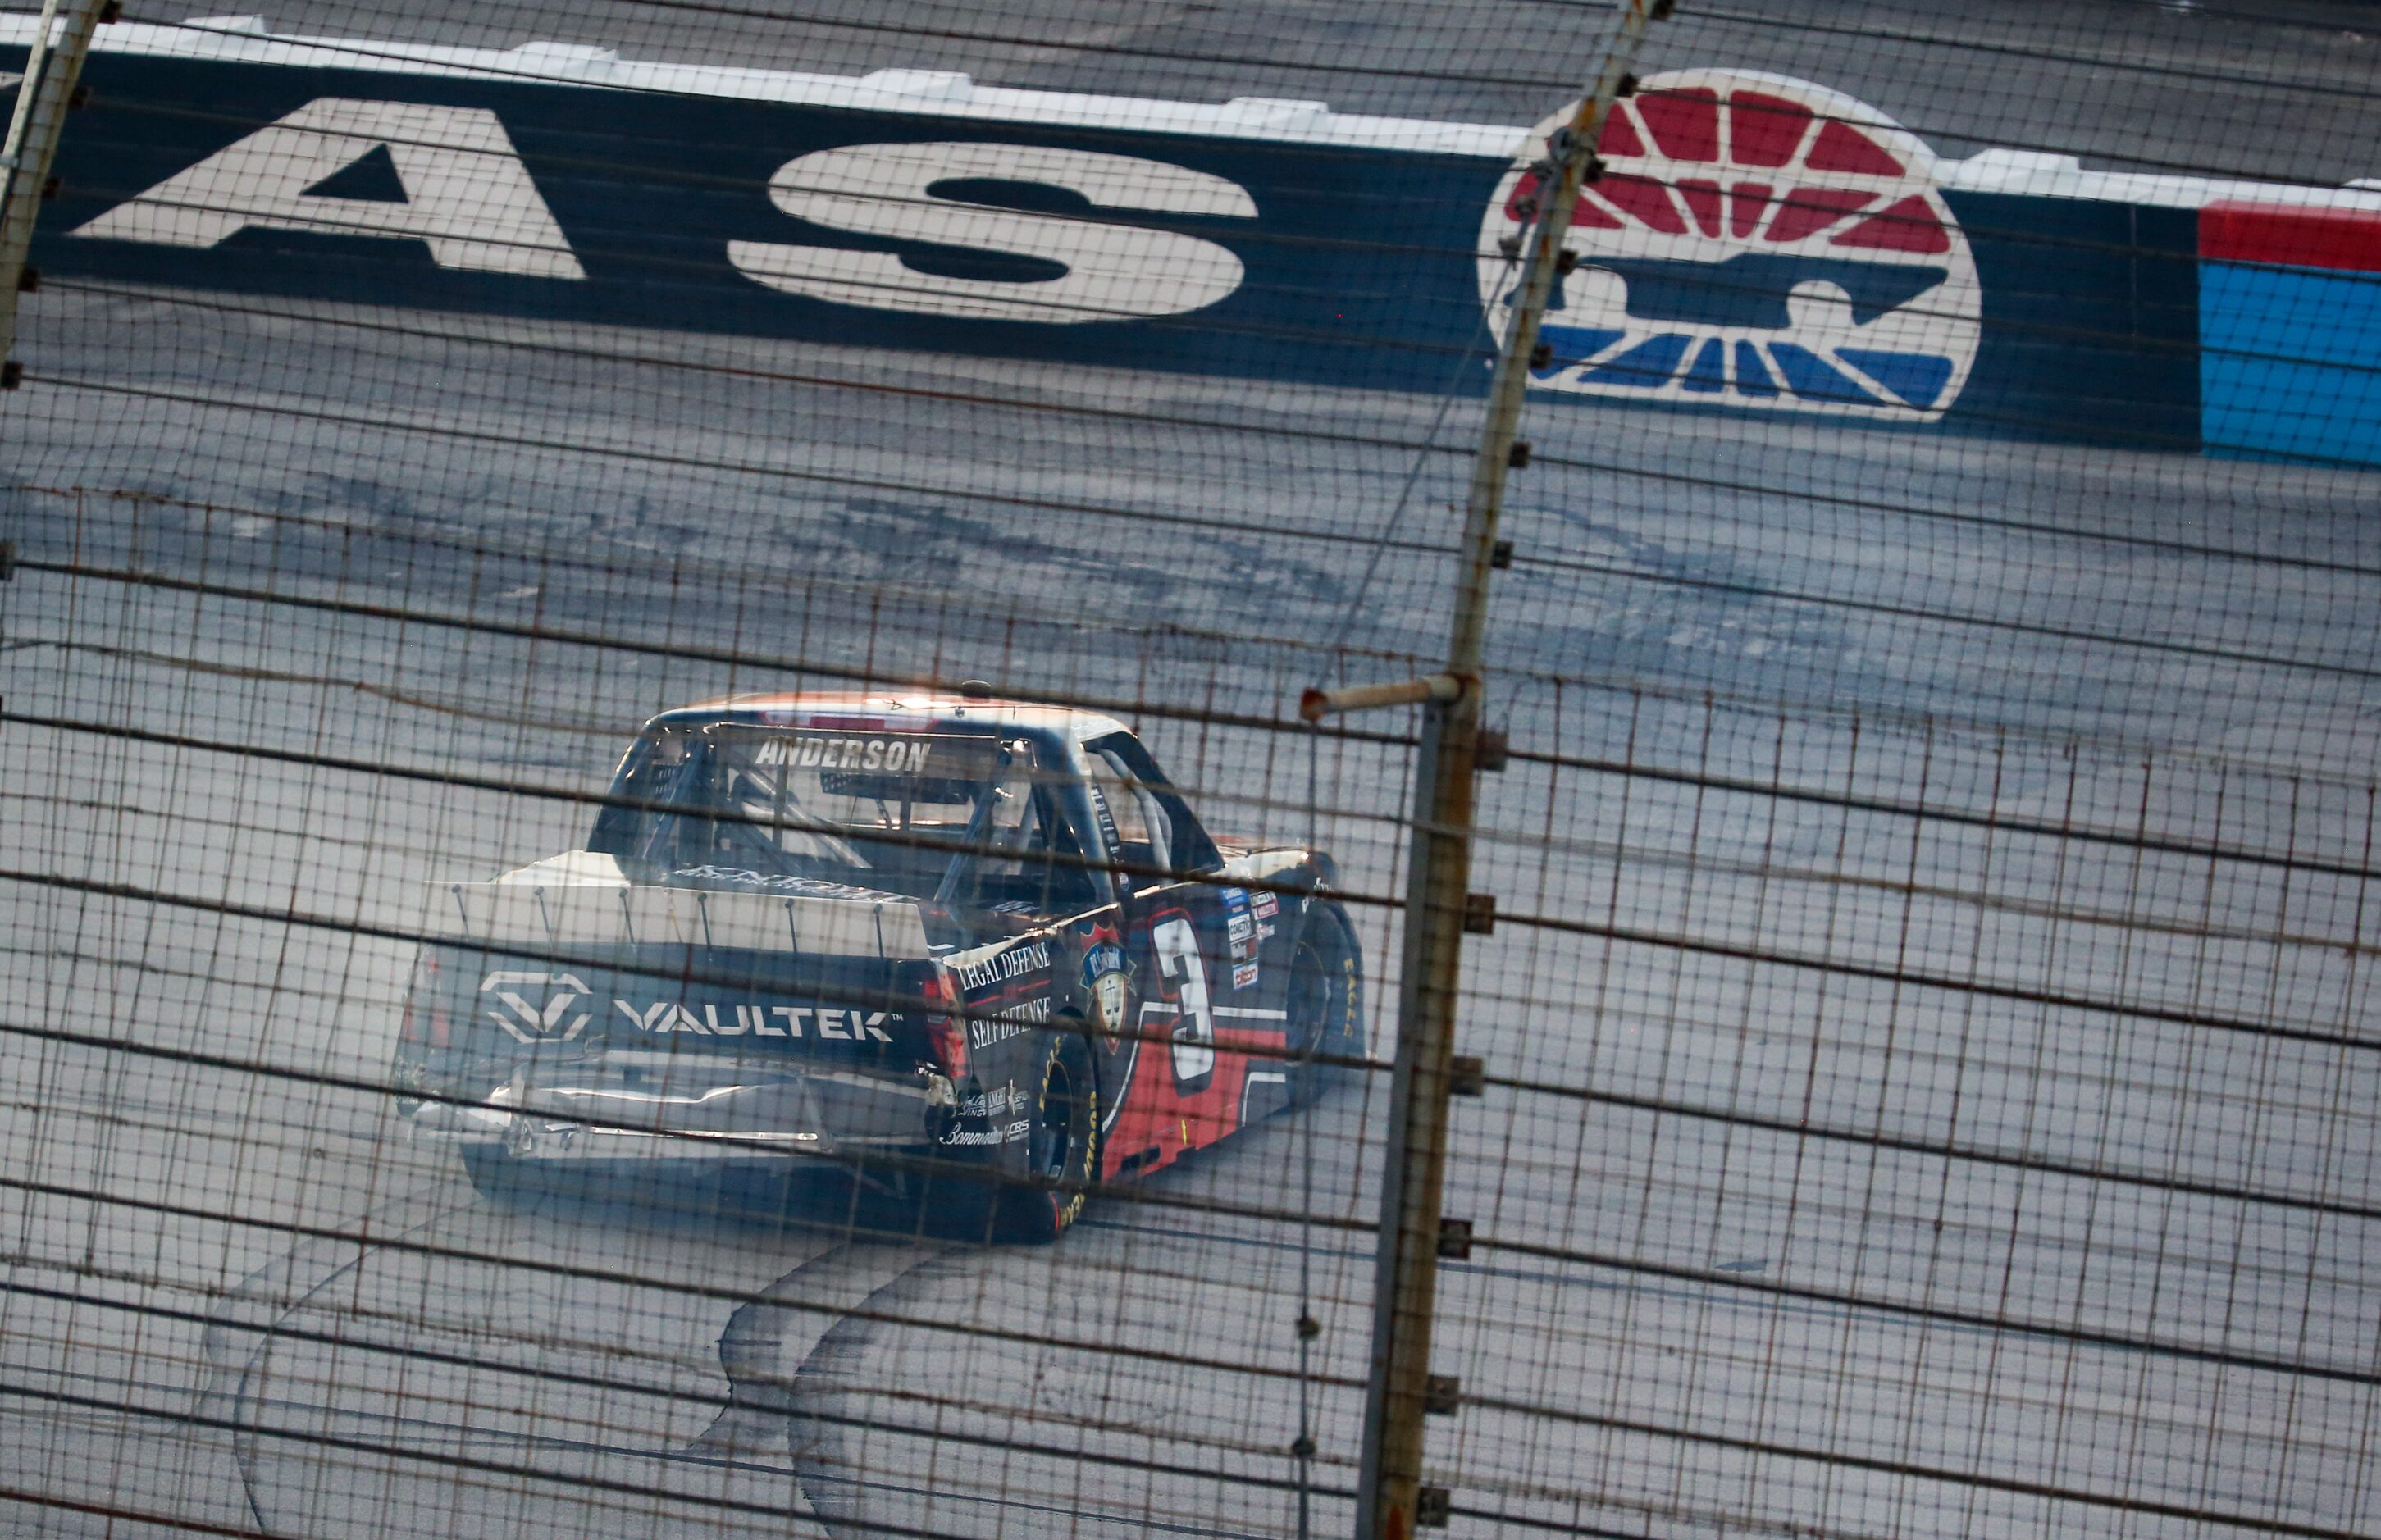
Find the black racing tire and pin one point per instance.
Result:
(1326, 1005)
(1062, 1152)
(1061, 1158)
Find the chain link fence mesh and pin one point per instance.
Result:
(1927, 1084)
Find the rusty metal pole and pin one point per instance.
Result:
(60, 41)
(1391, 1500)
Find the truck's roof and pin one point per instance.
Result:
(914, 711)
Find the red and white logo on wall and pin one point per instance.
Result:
(1754, 242)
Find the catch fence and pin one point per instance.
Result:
(1915, 1070)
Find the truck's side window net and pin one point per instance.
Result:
(1033, 862)
(646, 775)
(1154, 827)
(1142, 839)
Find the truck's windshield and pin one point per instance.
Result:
(803, 808)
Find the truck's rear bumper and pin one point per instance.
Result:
(609, 1117)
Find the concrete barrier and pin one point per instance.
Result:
(1264, 239)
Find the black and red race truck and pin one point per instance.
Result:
(979, 952)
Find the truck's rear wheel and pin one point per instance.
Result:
(1062, 1147)
(1061, 1158)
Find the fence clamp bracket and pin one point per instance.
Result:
(1454, 1239)
(1433, 1507)
(1442, 1393)
(1467, 1076)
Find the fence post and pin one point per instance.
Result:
(1400, 1388)
(52, 70)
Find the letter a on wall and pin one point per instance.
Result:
(467, 196)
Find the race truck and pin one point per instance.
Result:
(979, 953)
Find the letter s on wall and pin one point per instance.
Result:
(1113, 272)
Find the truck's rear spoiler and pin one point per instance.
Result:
(581, 900)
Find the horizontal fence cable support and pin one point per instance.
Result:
(681, 651)
(1137, 1194)
(742, 658)
(2115, 64)
(1945, 617)
(1635, 690)
(1551, 457)
(1799, 1293)
(346, 1341)
(1487, 1401)
(385, 1449)
(610, 731)
(1900, 976)
(581, 1272)
(2018, 1160)
(545, 560)
(1463, 257)
(1935, 1314)
(2140, 1010)
(1549, 87)
(1943, 812)
(120, 1513)
(2143, 1010)
(1984, 1481)
(466, 780)
(775, 473)
(1670, 1432)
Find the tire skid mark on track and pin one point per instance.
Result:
(824, 1467)
(224, 1397)
(762, 1350)
(255, 1307)
(771, 1353)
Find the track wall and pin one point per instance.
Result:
(2242, 327)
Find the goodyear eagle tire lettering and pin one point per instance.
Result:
(1063, 1148)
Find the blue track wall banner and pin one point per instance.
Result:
(772, 220)
(1758, 245)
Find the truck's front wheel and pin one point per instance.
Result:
(1327, 1003)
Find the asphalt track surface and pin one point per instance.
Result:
(236, 1296)
(2217, 87)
